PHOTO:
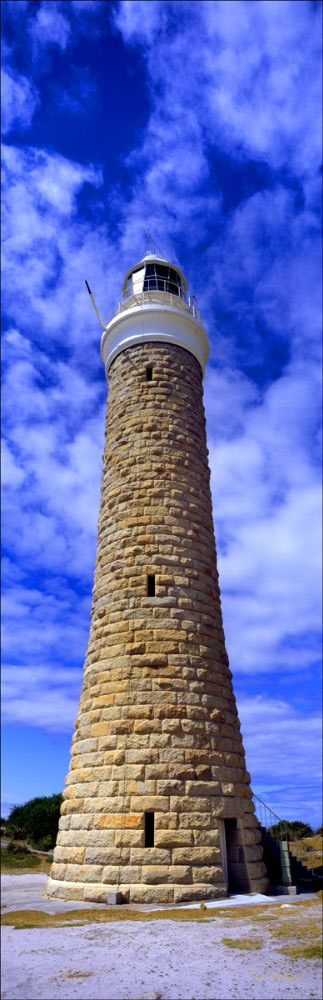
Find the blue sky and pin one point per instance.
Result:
(200, 120)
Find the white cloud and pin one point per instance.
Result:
(49, 26)
(11, 473)
(249, 71)
(45, 697)
(19, 100)
(281, 742)
(267, 506)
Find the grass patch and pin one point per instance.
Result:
(246, 944)
(312, 858)
(303, 951)
(22, 862)
(309, 929)
(24, 919)
(18, 859)
(243, 912)
(75, 975)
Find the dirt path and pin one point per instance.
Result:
(150, 957)
(162, 960)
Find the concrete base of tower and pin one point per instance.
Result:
(98, 892)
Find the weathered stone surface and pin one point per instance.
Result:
(173, 838)
(196, 892)
(207, 874)
(194, 820)
(162, 873)
(202, 788)
(151, 894)
(69, 854)
(107, 855)
(150, 803)
(253, 852)
(166, 821)
(196, 855)
(150, 856)
(115, 874)
(64, 890)
(157, 729)
(119, 820)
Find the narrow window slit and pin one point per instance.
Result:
(149, 829)
(149, 373)
(151, 585)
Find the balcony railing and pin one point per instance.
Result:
(156, 290)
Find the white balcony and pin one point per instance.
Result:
(163, 294)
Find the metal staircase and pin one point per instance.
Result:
(286, 873)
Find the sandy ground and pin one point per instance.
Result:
(157, 961)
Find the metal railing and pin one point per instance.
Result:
(267, 817)
(153, 289)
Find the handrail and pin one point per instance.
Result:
(265, 813)
(182, 300)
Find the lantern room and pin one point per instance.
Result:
(154, 273)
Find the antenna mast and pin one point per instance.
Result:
(95, 305)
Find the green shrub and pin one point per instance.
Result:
(291, 829)
(36, 821)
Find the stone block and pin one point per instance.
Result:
(207, 874)
(157, 874)
(192, 893)
(204, 788)
(170, 787)
(256, 869)
(57, 871)
(253, 852)
(181, 772)
(105, 805)
(68, 854)
(119, 874)
(99, 729)
(166, 821)
(84, 746)
(151, 894)
(147, 726)
(193, 820)
(71, 806)
(96, 893)
(129, 838)
(185, 804)
(206, 838)
(119, 821)
(150, 803)
(227, 788)
(70, 893)
(149, 660)
(114, 898)
(149, 856)
(251, 837)
(107, 856)
(83, 873)
(80, 821)
(196, 855)
(173, 838)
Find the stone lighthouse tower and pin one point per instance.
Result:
(157, 804)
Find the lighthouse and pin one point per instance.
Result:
(157, 805)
